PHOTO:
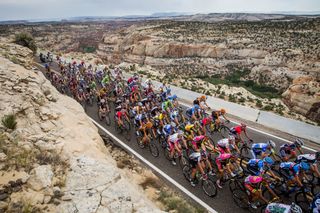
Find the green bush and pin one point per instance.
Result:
(9, 121)
(268, 107)
(26, 40)
(259, 103)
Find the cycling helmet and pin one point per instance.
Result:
(173, 124)
(174, 97)
(298, 142)
(223, 111)
(268, 160)
(102, 101)
(196, 106)
(294, 208)
(304, 166)
(203, 97)
(140, 104)
(271, 143)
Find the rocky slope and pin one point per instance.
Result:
(54, 160)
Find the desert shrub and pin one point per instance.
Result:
(258, 103)
(26, 40)
(151, 181)
(9, 121)
(268, 107)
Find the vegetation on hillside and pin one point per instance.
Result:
(26, 40)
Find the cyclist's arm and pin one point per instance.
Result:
(297, 179)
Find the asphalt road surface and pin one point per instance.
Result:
(223, 202)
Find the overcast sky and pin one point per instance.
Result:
(42, 9)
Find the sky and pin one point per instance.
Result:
(48, 9)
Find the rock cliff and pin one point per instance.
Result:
(54, 160)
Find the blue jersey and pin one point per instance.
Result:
(192, 110)
(259, 147)
(290, 166)
(257, 165)
(167, 129)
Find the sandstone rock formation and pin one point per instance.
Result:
(304, 97)
(55, 160)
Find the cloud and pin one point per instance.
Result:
(34, 9)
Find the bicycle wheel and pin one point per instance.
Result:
(186, 170)
(209, 188)
(167, 153)
(235, 184)
(240, 198)
(140, 142)
(224, 131)
(304, 199)
(183, 161)
(153, 149)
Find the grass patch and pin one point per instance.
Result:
(9, 121)
(234, 79)
(174, 202)
(151, 182)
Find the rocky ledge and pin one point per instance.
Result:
(54, 159)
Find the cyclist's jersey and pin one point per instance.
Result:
(278, 208)
(287, 149)
(256, 166)
(173, 114)
(120, 114)
(258, 148)
(192, 110)
(195, 156)
(167, 104)
(224, 143)
(139, 117)
(224, 157)
(167, 129)
(205, 121)
(252, 180)
(308, 158)
(197, 141)
(188, 128)
(106, 79)
(236, 130)
(93, 85)
(290, 167)
(171, 98)
(315, 206)
(174, 138)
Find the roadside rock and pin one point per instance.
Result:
(41, 177)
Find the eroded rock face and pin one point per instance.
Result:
(303, 96)
(80, 174)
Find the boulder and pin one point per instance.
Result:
(41, 177)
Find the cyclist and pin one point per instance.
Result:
(237, 130)
(195, 164)
(174, 145)
(253, 187)
(288, 151)
(312, 160)
(105, 80)
(291, 171)
(167, 106)
(283, 208)
(193, 112)
(262, 149)
(215, 115)
(120, 114)
(103, 109)
(223, 162)
(168, 129)
(258, 167)
(202, 102)
(199, 143)
(225, 144)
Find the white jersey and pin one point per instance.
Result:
(223, 142)
(278, 207)
(310, 157)
(173, 138)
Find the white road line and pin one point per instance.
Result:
(195, 198)
(260, 131)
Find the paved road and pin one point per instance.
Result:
(222, 202)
